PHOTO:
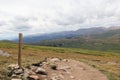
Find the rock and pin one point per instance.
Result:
(53, 66)
(37, 64)
(10, 73)
(31, 72)
(13, 67)
(61, 76)
(64, 68)
(16, 79)
(65, 60)
(14, 76)
(18, 71)
(41, 71)
(54, 60)
(2, 53)
(28, 72)
(72, 77)
(33, 68)
(45, 64)
(33, 77)
(56, 78)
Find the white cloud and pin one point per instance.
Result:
(45, 16)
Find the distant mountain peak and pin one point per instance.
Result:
(114, 28)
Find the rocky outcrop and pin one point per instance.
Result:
(55, 69)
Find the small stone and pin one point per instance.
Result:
(13, 66)
(41, 71)
(14, 76)
(72, 77)
(65, 60)
(36, 64)
(61, 76)
(19, 71)
(68, 72)
(33, 68)
(55, 78)
(16, 79)
(64, 68)
(28, 72)
(54, 67)
(54, 60)
(33, 77)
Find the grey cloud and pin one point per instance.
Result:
(21, 18)
(70, 21)
(2, 23)
(22, 28)
(20, 23)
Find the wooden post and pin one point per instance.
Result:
(19, 50)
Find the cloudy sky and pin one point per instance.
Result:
(46, 16)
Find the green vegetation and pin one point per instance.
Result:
(107, 41)
(78, 43)
(108, 34)
(107, 62)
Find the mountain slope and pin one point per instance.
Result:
(108, 40)
(65, 34)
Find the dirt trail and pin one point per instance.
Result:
(66, 69)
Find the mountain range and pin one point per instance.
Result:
(92, 38)
(64, 34)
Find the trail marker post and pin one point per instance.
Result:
(19, 50)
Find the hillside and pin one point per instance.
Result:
(64, 34)
(106, 62)
(108, 40)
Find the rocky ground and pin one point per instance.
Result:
(56, 69)
(3, 53)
